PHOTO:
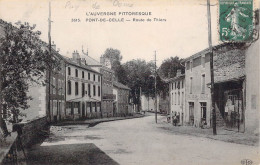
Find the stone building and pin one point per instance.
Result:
(177, 98)
(56, 96)
(229, 79)
(121, 103)
(197, 100)
(103, 67)
(83, 89)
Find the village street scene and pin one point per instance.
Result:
(95, 93)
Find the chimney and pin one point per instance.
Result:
(53, 46)
(178, 72)
(75, 56)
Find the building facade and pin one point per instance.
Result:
(177, 98)
(229, 84)
(55, 93)
(104, 68)
(83, 89)
(252, 70)
(197, 94)
(121, 103)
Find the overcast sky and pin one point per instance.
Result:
(184, 33)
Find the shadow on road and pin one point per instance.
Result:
(86, 153)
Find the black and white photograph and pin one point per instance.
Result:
(129, 82)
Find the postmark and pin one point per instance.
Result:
(236, 20)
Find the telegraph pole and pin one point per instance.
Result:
(211, 71)
(50, 67)
(155, 74)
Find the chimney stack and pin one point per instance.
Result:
(75, 55)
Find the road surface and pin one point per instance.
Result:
(135, 141)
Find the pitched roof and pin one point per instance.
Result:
(82, 66)
(120, 85)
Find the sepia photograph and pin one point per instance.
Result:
(129, 82)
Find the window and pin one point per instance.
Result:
(191, 85)
(203, 108)
(99, 91)
(89, 76)
(98, 78)
(175, 98)
(178, 85)
(94, 90)
(191, 113)
(191, 66)
(76, 72)
(76, 88)
(172, 86)
(69, 87)
(83, 90)
(94, 77)
(178, 98)
(59, 87)
(182, 98)
(69, 72)
(188, 65)
(203, 85)
(53, 86)
(89, 90)
(83, 75)
(172, 98)
(175, 85)
(182, 84)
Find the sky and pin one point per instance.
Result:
(184, 32)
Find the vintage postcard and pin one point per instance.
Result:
(129, 82)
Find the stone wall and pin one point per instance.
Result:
(33, 131)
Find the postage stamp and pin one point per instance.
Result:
(236, 20)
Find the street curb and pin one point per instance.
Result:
(93, 123)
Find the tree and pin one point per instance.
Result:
(24, 59)
(114, 55)
(138, 75)
(169, 67)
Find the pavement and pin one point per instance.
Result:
(222, 133)
(136, 141)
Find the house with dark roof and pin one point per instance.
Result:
(121, 104)
(229, 77)
(83, 89)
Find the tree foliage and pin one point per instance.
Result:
(24, 59)
(169, 67)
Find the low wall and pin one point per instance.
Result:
(32, 132)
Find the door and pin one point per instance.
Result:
(83, 110)
(234, 110)
(191, 113)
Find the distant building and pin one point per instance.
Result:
(177, 98)
(121, 103)
(83, 85)
(147, 103)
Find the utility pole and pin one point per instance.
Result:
(50, 67)
(211, 71)
(155, 74)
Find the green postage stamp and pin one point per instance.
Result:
(236, 20)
